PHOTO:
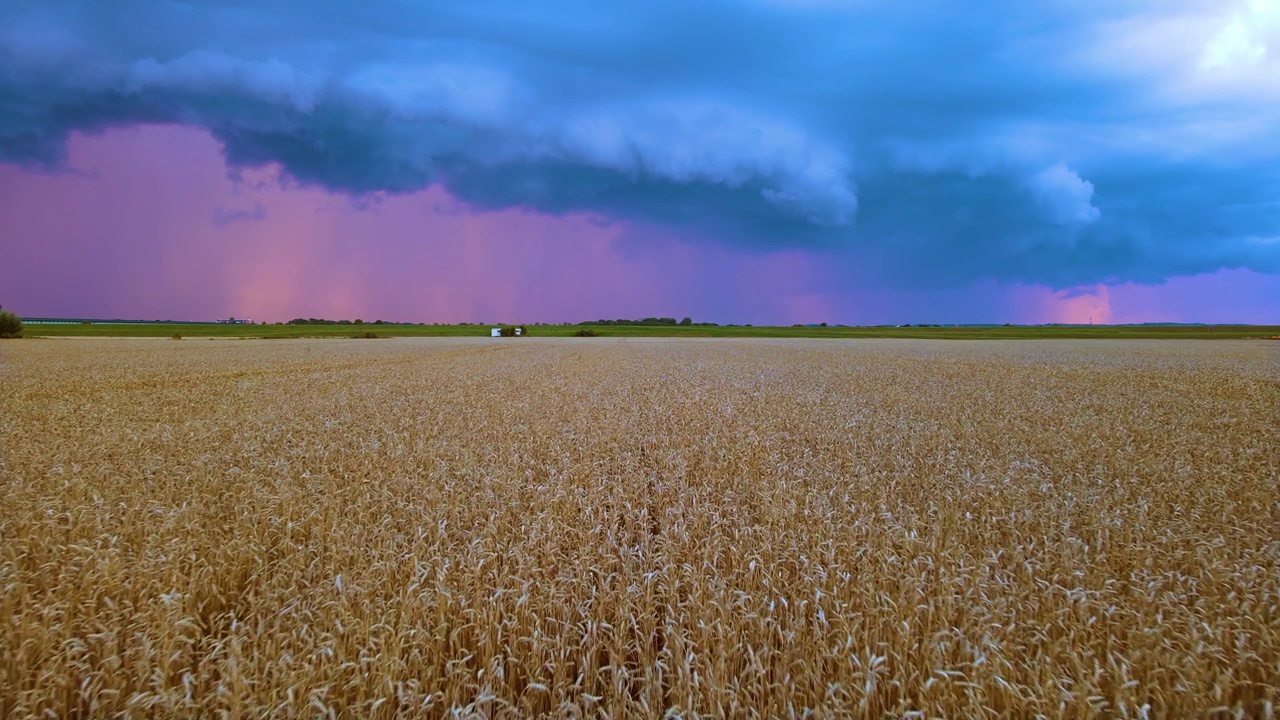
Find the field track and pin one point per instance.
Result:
(511, 527)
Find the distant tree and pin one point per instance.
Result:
(687, 321)
(822, 325)
(10, 325)
(378, 322)
(359, 321)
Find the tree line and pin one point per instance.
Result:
(650, 321)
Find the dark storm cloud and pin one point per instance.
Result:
(1044, 142)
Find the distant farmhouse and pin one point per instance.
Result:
(235, 321)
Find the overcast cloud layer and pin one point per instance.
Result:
(1052, 142)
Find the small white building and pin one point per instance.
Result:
(495, 332)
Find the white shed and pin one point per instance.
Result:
(495, 332)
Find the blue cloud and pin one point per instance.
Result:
(1043, 142)
(223, 217)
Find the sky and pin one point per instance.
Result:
(757, 161)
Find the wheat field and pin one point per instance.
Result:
(591, 528)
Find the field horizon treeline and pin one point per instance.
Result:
(622, 327)
(652, 327)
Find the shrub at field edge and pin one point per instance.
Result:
(10, 325)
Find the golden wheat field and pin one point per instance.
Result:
(427, 528)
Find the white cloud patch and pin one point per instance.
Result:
(1064, 196)
(703, 142)
(1247, 39)
(1195, 53)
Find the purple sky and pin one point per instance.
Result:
(148, 222)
